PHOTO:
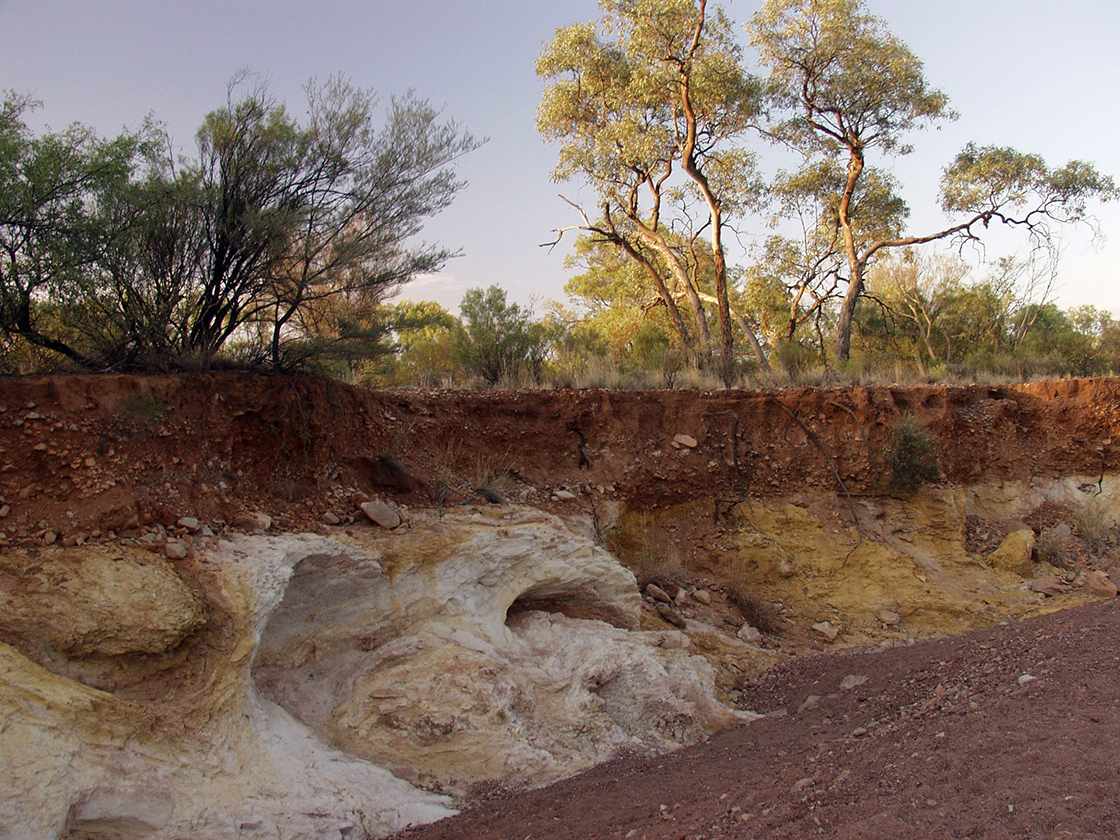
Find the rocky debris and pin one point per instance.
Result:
(191, 523)
(658, 594)
(702, 596)
(889, 618)
(330, 518)
(175, 551)
(852, 681)
(1015, 553)
(686, 441)
(563, 495)
(381, 513)
(1099, 585)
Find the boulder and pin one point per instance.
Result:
(1015, 553)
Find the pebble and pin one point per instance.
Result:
(890, 618)
(331, 518)
(189, 522)
(685, 440)
(4, 511)
(175, 551)
(657, 593)
(703, 596)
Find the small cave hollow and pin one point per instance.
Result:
(573, 601)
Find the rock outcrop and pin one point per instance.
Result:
(491, 646)
(264, 690)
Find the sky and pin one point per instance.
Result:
(1038, 75)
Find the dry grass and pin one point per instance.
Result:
(756, 611)
(1093, 525)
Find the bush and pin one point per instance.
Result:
(912, 457)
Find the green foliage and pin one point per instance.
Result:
(114, 253)
(912, 456)
(648, 106)
(499, 340)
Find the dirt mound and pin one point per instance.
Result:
(1005, 733)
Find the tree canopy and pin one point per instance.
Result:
(652, 106)
(116, 254)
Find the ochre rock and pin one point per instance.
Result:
(84, 602)
(1015, 553)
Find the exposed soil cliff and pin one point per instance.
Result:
(86, 454)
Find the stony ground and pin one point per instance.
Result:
(1011, 732)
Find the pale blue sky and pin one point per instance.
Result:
(1041, 76)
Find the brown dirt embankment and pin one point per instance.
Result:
(81, 456)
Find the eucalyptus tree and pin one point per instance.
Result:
(844, 88)
(650, 105)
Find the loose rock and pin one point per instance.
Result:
(1048, 585)
(703, 596)
(253, 521)
(890, 618)
(672, 616)
(657, 593)
(381, 514)
(827, 629)
(1098, 583)
(750, 635)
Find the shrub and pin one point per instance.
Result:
(912, 457)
